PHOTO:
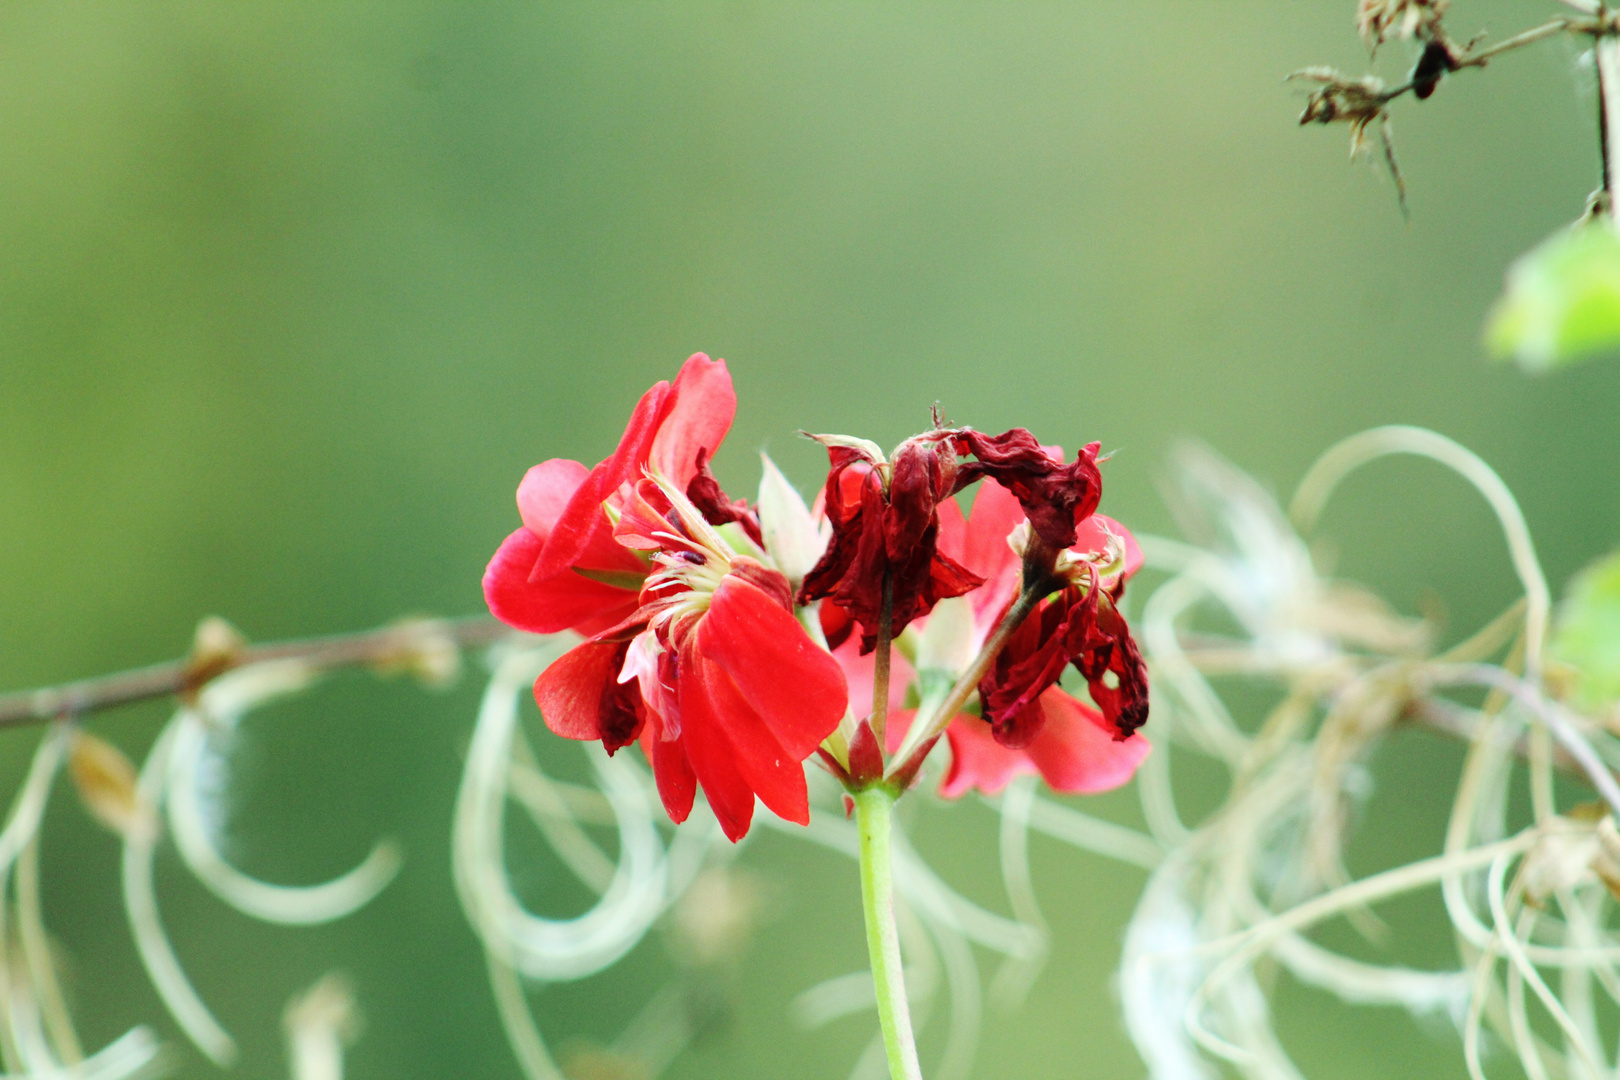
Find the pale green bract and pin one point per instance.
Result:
(1587, 637)
(1562, 300)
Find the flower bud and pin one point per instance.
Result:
(106, 782)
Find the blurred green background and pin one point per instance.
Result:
(292, 293)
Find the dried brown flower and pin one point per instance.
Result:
(1357, 102)
(1377, 21)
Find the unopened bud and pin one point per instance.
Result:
(319, 1023)
(216, 647)
(106, 782)
(423, 649)
(1606, 861)
(589, 1062)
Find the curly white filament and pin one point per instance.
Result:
(220, 709)
(29, 806)
(140, 904)
(1093, 834)
(1356, 451)
(542, 948)
(1017, 975)
(1240, 885)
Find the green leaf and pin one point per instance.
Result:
(1562, 301)
(1587, 634)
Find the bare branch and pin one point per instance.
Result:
(393, 646)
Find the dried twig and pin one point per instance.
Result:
(397, 645)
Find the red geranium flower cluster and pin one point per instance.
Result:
(693, 648)
(695, 641)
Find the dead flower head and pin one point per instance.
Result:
(1377, 21)
(1357, 102)
(1338, 97)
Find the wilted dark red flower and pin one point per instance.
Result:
(1070, 744)
(1080, 624)
(885, 524)
(1056, 497)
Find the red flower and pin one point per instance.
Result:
(1073, 746)
(885, 525)
(711, 672)
(563, 570)
(695, 650)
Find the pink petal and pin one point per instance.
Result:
(565, 602)
(995, 515)
(1076, 749)
(899, 724)
(544, 493)
(978, 761)
(569, 692)
(710, 701)
(795, 686)
(1088, 536)
(702, 405)
(860, 674)
(952, 542)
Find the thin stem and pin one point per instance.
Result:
(874, 809)
(1606, 50)
(968, 683)
(389, 643)
(881, 660)
(1483, 56)
(1528, 37)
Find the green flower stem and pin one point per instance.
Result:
(874, 808)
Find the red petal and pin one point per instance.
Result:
(676, 782)
(565, 602)
(710, 701)
(795, 686)
(1076, 749)
(582, 523)
(569, 692)
(713, 760)
(545, 490)
(978, 761)
(702, 405)
(641, 523)
(1054, 496)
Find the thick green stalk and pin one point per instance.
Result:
(874, 808)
